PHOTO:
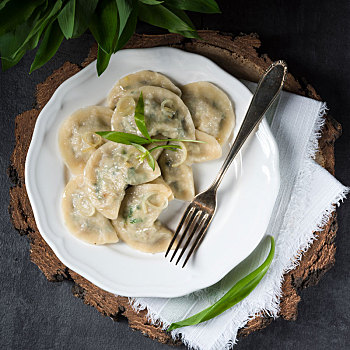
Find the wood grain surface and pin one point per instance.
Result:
(238, 56)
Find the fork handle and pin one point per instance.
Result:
(268, 88)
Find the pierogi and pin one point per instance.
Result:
(137, 223)
(81, 218)
(210, 149)
(77, 139)
(116, 193)
(158, 119)
(210, 108)
(129, 85)
(108, 172)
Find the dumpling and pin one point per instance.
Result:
(129, 84)
(203, 152)
(81, 218)
(179, 179)
(137, 223)
(165, 114)
(210, 108)
(108, 172)
(77, 140)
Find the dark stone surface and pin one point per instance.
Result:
(313, 37)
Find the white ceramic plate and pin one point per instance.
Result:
(245, 198)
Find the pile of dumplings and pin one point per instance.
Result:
(114, 195)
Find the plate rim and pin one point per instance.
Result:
(65, 257)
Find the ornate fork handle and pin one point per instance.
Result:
(267, 90)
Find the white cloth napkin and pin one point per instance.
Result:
(306, 199)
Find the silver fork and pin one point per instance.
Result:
(200, 212)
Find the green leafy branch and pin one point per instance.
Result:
(138, 141)
(112, 23)
(237, 293)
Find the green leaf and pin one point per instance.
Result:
(151, 2)
(3, 3)
(75, 17)
(237, 293)
(51, 42)
(140, 117)
(27, 35)
(124, 9)
(203, 6)
(123, 137)
(128, 30)
(7, 63)
(102, 60)
(16, 12)
(66, 19)
(146, 155)
(177, 140)
(104, 25)
(170, 147)
(160, 16)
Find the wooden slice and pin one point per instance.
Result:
(238, 56)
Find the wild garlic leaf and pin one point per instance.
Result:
(151, 2)
(146, 155)
(123, 137)
(129, 29)
(124, 8)
(26, 36)
(140, 117)
(203, 6)
(102, 60)
(51, 42)
(160, 16)
(177, 140)
(104, 25)
(75, 17)
(16, 12)
(171, 147)
(237, 293)
(66, 19)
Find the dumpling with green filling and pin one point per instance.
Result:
(165, 114)
(77, 139)
(137, 223)
(129, 85)
(81, 218)
(211, 109)
(108, 172)
(179, 178)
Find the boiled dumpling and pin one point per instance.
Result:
(210, 108)
(179, 179)
(203, 152)
(137, 223)
(81, 218)
(165, 114)
(77, 140)
(108, 172)
(129, 84)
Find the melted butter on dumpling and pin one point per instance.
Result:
(77, 140)
(210, 108)
(137, 223)
(158, 119)
(202, 152)
(109, 170)
(81, 218)
(129, 84)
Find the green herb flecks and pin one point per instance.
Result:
(139, 141)
(237, 293)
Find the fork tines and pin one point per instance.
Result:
(194, 223)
